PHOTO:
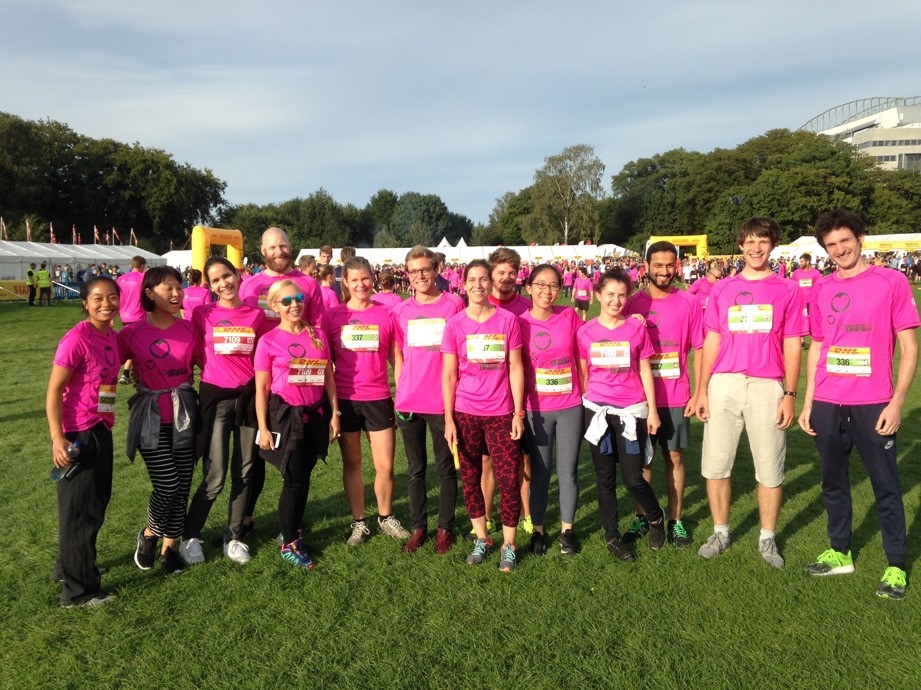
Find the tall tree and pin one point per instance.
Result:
(567, 190)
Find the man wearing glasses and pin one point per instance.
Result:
(420, 322)
(701, 288)
(674, 320)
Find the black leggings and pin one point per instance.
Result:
(294, 489)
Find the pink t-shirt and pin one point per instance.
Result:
(229, 337)
(568, 279)
(130, 309)
(675, 325)
(701, 289)
(388, 300)
(582, 288)
(753, 317)
(360, 342)
(551, 380)
(806, 280)
(194, 296)
(295, 364)
(92, 359)
(329, 297)
(162, 357)
(612, 360)
(856, 320)
(255, 290)
(419, 331)
(482, 351)
(518, 305)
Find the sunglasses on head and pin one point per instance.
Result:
(288, 299)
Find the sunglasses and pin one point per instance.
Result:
(288, 299)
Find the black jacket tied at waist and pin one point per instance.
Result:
(288, 420)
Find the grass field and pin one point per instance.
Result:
(374, 617)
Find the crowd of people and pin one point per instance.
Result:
(292, 360)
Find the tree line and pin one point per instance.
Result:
(48, 173)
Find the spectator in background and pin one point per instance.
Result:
(130, 309)
(196, 295)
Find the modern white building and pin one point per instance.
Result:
(887, 129)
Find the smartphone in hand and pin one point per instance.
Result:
(276, 439)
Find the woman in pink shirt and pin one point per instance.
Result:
(196, 295)
(295, 399)
(554, 404)
(620, 408)
(326, 276)
(361, 335)
(582, 293)
(163, 412)
(80, 406)
(387, 298)
(229, 331)
(483, 390)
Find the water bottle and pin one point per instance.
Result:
(73, 451)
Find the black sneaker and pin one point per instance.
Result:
(538, 544)
(677, 534)
(636, 531)
(620, 550)
(171, 561)
(657, 534)
(569, 545)
(145, 553)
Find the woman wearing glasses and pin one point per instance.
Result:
(361, 335)
(296, 408)
(553, 399)
(483, 389)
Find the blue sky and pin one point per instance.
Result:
(463, 100)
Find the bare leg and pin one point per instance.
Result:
(350, 446)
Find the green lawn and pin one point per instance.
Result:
(374, 617)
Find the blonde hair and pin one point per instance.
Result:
(272, 299)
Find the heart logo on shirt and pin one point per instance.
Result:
(297, 350)
(224, 323)
(840, 302)
(541, 340)
(159, 348)
(745, 298)
(109, 354)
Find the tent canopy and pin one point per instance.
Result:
(15, 257)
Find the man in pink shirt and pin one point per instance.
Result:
(420, 323)
(674, 321)
(806, 277)
(702, 287)
(130, 309)
(748, 379)
(279, 260)
(858, 314)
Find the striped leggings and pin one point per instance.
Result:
(171, 475)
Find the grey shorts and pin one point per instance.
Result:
(675, 432)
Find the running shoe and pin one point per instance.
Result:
(831, 562)
(145, 552)
(418, 537)
(525, 525)
(538, 544)
(481, 549)
(620, 550)
(125, 378)
(715, 545)
(677, 534)
(100, 599)
(191, 552)
(392, 528)
(770, 553)
(360, 533)
(444, 541)
(237, 551)
(636, 531)
(893, 584)
(171, 561)
(507, 561)
(295, 554)
(569, 545)
(657, 534)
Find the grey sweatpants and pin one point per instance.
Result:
(541, 429)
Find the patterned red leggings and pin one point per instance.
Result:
(472, 432)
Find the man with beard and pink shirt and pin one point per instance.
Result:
(748, 379)
(420, 323)
(674, 321)
(858, 314)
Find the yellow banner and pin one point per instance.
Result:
(13, 290)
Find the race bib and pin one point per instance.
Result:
(751, 318)
(805, 282)
(105, 403)
(425, 332)
(233, 340)
(581, 294)
(848, 361)
(665, 365)
(486, 347)
(306, 372)
(360, 337)
(554, 381)
(610, 355)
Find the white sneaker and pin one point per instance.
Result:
(190, 550)
(237, 551)
(360, 533)
(392, 528)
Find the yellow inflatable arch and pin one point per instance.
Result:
(203, 238)
(699, 242)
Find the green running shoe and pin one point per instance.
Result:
(831, 562)
(892, 585)
(677, 534)
(636, 531)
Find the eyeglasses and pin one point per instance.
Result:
(420, 272)
(540, 287)
(288, 299)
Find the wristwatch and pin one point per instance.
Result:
(792, 394)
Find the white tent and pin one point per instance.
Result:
(804, 245)
(15, 257)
